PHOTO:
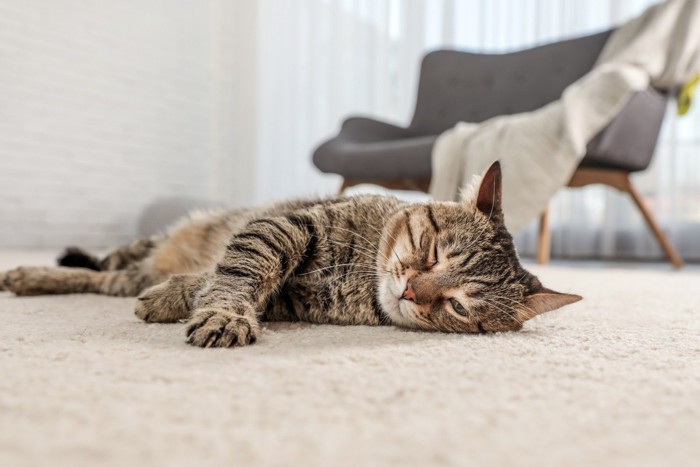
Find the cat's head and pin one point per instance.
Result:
(452, 267)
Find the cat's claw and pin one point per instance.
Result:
(218, 328)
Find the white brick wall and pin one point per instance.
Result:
(104, 107)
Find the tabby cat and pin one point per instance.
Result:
(372, 260)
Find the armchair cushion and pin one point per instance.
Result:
(374, 157)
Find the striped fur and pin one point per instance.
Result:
(365, 260)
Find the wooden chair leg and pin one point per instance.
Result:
(544, 238)
(620, 180)
(665, 244)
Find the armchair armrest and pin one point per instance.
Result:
(628, 142)
(364, 129)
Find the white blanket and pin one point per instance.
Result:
(540, 150)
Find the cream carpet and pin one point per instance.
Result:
(612, 380)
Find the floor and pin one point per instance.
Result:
(611, 380)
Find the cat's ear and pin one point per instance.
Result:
(488, 198)
(545, 300)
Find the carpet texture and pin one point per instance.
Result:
(612, 380)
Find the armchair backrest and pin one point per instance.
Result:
(459, 86)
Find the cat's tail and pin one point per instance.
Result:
(75, 257)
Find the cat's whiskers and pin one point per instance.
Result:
(369, 254)
(372, 251)
(343, 276)
(350, 231)
(337, 242)
(498, 306)
(420, 319)
(520, 304)
(381, 234)
(361, 251)
(368, 266)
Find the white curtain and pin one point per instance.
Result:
(320, 61)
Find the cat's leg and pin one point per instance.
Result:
(127, 282)
(25, 281)
(131, 253)
(119, 258)
(171, 300)
(257, 262)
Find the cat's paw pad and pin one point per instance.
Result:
(25, 280)
(210, 327)
(162, 303)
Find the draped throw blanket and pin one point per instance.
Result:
(540, 150)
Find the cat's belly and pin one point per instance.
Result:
(325, 302)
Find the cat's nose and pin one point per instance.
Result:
(409, 294)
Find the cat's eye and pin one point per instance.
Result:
(458, 307)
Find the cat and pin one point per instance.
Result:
(362, 260)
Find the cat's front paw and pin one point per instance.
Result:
(163, 303)
(211, 327)
(26, 281)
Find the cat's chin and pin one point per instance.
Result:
(391, 304)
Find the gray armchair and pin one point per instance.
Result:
(460, 86)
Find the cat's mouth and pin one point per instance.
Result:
(390, 292)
